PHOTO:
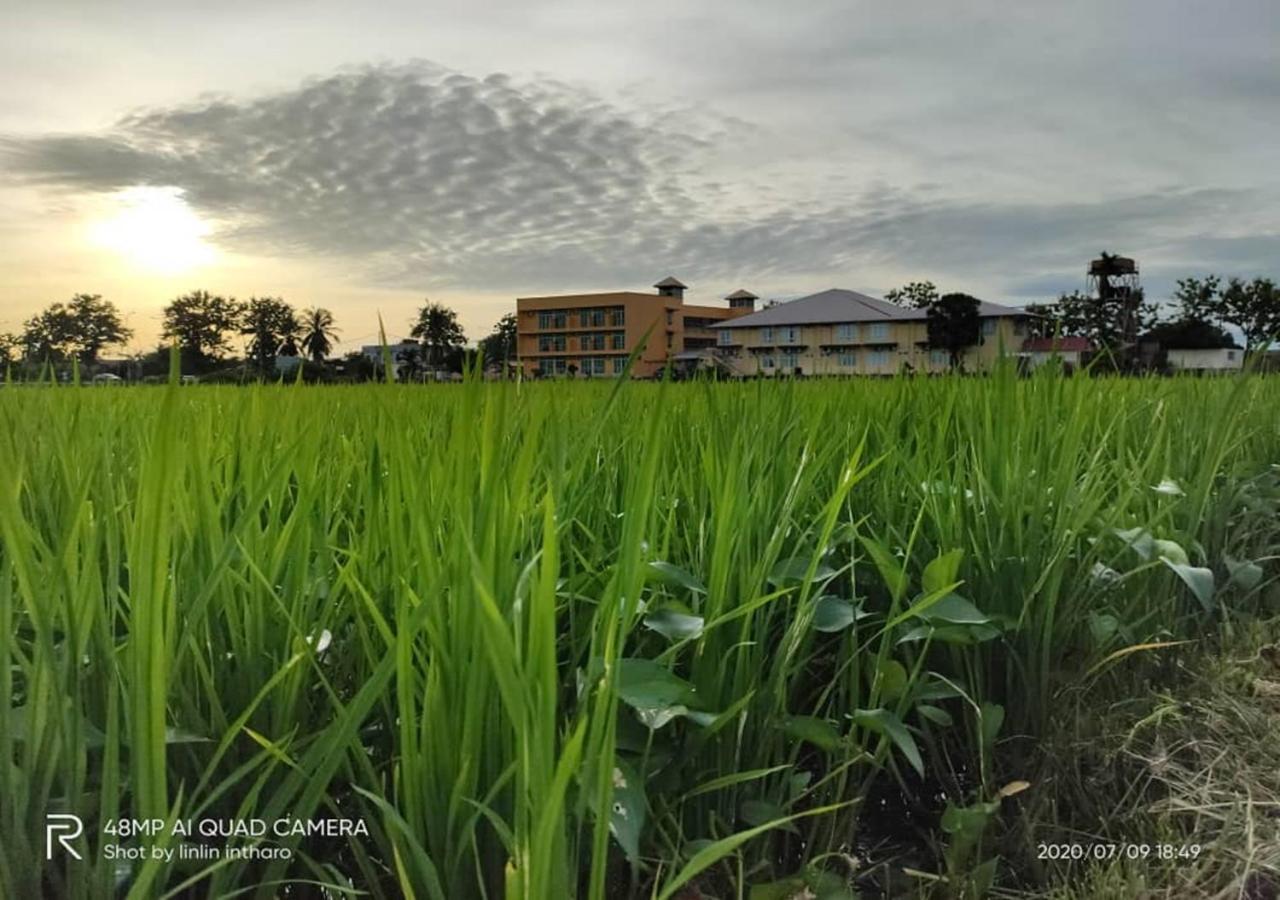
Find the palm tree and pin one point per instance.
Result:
(438, 331)
(318, 333)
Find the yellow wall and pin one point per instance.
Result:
(813, 358)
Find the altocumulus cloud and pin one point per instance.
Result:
(419, 173)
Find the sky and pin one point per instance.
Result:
(366, 157)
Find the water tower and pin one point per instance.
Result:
(1114, 281)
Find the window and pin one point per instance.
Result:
(550, 342)
(618, 317)
(726, 337)
(848, 359)
(847, 332)
(619, 341)
(559, 319)
(789, 335)
(877, 359)
(544, 320)
(544, 342)
(597, 318)
(598, 365)
(988, 327)
(559, 366)
(939, 358)
(671, 317)
(879, 331)
(618, 365)
(789, 362)
(584, 318)
(766, 361)
(766, 335)
(1231, 356)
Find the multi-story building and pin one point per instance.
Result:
(593, 334)
(839, 332)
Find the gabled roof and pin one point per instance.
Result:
(742, 294)
(671, 281)
(838, 306)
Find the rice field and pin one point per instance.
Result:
(589, 640)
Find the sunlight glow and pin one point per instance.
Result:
(153, 228)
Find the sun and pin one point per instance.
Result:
(154, 228)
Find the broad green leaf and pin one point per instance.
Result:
(818, 732)
(962, 635)
(1139, 539)
(1171, 551)
(954, 610)
(626, 819)
(788, 572)
(882, 721)
(941, 571)
(1169, 488)
(1103, 627)
(645, 684)
(758, 812)
(831, 614)
(935, 714)
(1199, 580)
(666, 573)
(1243, 573)
(893, 679)
(890, 570)
(674, 625)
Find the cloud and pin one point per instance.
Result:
(420, 175)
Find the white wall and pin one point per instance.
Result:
(1206, 360)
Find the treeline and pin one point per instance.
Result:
(275, 338)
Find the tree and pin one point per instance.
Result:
(95, 324)
(79, 328)
(914, 294)
(1079, 315)
(1189, 334)
(1199, 299)
(500, 345)
(438, 331)
(272, 328)
(318, 333)
(200, 322)
(1254, 308)
(49, 336)
(10, 349)
(953, 325)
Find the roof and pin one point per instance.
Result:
(742, 294)
(1060, 345)
(838, 305)
(671, 281)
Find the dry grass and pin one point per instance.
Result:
(1200, 768)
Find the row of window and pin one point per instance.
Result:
(846, 359)
(559, 343)
(870, 332)
(614, 316)
(589, 365)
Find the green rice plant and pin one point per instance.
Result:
(586, 639)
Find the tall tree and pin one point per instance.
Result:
(10, 349)
(80, 328)
(439, 333)
(96, 324)
(1199, 299)
(1254, 308)
(49, 336)
(500, 345)
(272, 328)
(914, 294)
(954, 325)
(200, 323)
(318, 333)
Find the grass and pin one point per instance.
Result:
(557, 640)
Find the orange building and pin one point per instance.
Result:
(593, 334)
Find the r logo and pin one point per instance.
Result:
(66, 828)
